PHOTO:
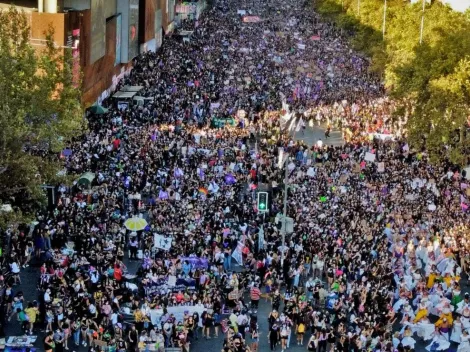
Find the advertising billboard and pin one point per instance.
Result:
(158, 27)
(98, 31)
(76, 57)
(133, 29)
(117, 61)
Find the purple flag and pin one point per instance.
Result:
(230, 179)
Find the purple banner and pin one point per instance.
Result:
(196, 262)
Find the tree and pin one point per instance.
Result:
(40, 111)
(420, 76)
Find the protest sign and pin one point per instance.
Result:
(301, 46)
(251, 19)
(369, 157)
(162, 242)
(315, 37)
(241, 12)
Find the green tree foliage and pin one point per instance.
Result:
(40, 111)
(424, 74)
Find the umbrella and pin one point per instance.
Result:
(98, 110)
(135, 224)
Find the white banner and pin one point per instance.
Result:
(178, 312)
(162, 242)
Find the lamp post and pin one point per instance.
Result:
(385, 19)
(284, 213)
(422, 24)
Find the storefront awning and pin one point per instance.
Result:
(124, 95)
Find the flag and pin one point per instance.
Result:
(284, 119)
(292, 124)
(238, 253)
(282, 158)
(230, 179)
(315, 37)
(300, 124)
(178, 172)
(204, 191)
(200, 173)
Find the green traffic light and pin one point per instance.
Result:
(262, 205)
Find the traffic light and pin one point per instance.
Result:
(262, 202)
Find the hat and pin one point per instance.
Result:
(119, 325)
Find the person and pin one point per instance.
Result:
(133, 247)
(32, 312)
(300, 333)
(15, 271)
(273, 336)
(133, 338)
(49, 344)
(312, 344)
(255, 338)
(255, 295)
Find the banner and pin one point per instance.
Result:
(163, 286)
(117, 60)
(98, 31)
(196, 262)
(178, 312)
(162, 242)
(251, 19)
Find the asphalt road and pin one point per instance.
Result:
(311, 135)
(29, 277)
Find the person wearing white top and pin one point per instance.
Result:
(15, 270)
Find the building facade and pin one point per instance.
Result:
(105, 35)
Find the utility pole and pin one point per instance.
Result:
(422, 24)
(284, 213)
(385, 19)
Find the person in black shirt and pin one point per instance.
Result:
(133, 338)
(49, 344)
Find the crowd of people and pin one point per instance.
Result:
(378, 251)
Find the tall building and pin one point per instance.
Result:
(104, 35)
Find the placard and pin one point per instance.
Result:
(369, 157)
(381, 167)
(162, 242)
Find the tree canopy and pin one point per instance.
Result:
(40, 110)
(432, 75)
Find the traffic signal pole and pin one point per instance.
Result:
(284, 220)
